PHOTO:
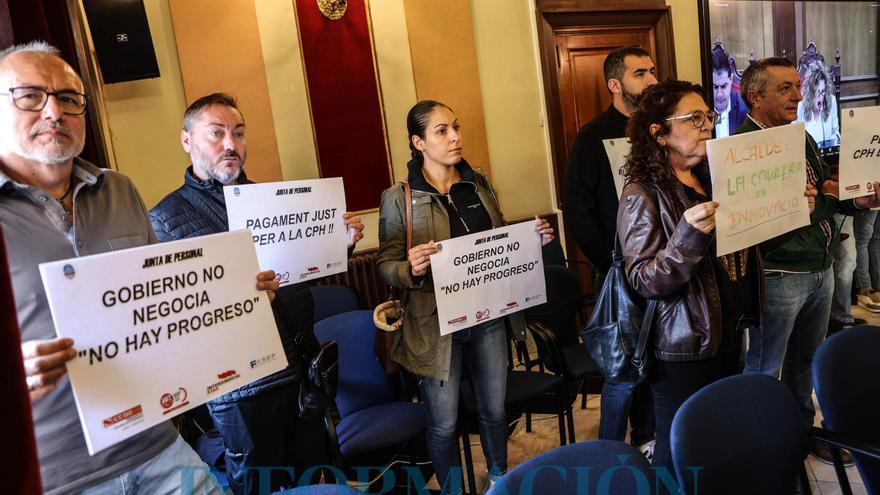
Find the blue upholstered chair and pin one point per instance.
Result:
(741, 434)
(332, 300)
(845, 375)
(604, 466)
(370, 417)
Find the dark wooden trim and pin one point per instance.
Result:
(851, 98)
(784, 30)
(596, 5)
(861, 78)
(705, 47)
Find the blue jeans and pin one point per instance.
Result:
(265, 431)
(483, 351)
(844, 265)
(176, 469)
(863, 229)
(795, 320)
(626, 400)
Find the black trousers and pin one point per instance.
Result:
(672, 382)
(266, 440)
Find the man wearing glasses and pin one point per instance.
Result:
(798, 279)
(53, 206)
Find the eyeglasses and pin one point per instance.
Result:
(698, 118)
(34, 100)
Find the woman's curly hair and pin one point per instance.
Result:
(647, 159)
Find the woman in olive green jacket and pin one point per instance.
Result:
(449, 199)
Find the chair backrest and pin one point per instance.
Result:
(564, 300)
(362, 383)
(845, 371)
(743, 433)
(332, 300)
(325, 489)
(614, 466)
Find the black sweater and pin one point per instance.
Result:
(590, 202)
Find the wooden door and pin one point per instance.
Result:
(583, 93)
(575, 38)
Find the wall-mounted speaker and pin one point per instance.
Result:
(122, 39)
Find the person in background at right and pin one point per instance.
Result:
(798, 280)
(818, 109)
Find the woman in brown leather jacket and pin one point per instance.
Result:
(666, 224)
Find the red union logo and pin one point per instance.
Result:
(312, 268)
(870, 187)
(482, 315)
(166, 400)
(129, 414)
(512, 304)
(856, 187)
(460, 319)
(225, 374)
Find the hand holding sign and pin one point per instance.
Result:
(810, 192)
(45, 363)
(543, 228)
(872, 201)
(266, 281)
(353, 227)
(419, 258)
(702, 216)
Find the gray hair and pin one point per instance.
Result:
(755, 77)
(38, 46)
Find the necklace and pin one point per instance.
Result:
(64, 197)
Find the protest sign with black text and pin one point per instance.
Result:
(297, 226)
(859, 151)
(161, 329)
(483, 276)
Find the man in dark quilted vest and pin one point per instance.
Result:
(259, 422)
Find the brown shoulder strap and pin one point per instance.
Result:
(409, 221)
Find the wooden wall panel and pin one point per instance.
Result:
(444, 60)
(222, 52)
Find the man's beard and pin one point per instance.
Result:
(54, 153)
(631, 99)
(213, 170)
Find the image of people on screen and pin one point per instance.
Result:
(818, 109)
(729, 106)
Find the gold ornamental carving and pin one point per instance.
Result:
(333, 9)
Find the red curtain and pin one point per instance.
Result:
(345, 103)
(20, 472)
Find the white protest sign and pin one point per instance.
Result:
(161, 329)
(758, 180)
(859, 151)
(297, 226)
(617, 150)
(483, 276)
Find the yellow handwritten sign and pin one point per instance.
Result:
(758, 179)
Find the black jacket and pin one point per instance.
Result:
(590, 202)
(197, 208)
